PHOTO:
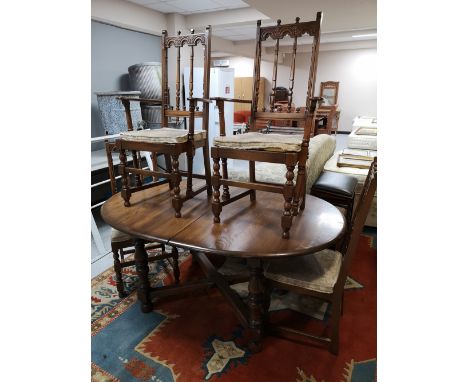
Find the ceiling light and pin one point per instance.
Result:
(365, 35)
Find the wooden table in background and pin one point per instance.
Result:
(249, 230)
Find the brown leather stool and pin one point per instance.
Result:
(337, 189)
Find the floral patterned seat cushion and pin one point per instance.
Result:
(163, 135)
(317, 272)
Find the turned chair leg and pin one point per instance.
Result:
(175, 266)
(176, 178)
(154, 161)
(226, 195)
(189, 192)
(304, 193)
(125, 191)
(137, 164)
(299, 190)
(216, 203)
(167, 160)
(206, 162)
(118, 273)
(288, 190)
(253, 195)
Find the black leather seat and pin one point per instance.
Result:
(337, 189)
(336, 183)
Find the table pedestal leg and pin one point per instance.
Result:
(141, 265)
(256, 303)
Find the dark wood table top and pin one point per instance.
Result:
(247, 229)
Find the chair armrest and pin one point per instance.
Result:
(230, 99)
(220, 105)
(198, 99)
(103, 138)
(142, 100)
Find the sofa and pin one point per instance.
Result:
(321, 148)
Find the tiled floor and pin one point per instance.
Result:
(102, 261)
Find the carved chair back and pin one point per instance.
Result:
(296, 31)
(187, 42)
(329, 91)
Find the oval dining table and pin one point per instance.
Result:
(248, 229)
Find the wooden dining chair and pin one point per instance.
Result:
(329, 109)
(122, 244)
(329, 91)
(290, 149)
(323, 274)
(329, 123)
(172, 142)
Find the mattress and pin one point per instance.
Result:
(365, 142)
(364, 122)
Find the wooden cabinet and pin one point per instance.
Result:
(243, 90)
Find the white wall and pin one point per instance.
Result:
(356, 70)
(128, 15)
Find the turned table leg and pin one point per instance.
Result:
(288, 190)
(216, 203)
(141, 265)
(226, 195)
(256, 303)
(176, 178)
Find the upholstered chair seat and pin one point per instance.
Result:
(164, 135)
(234, 266)
(260, 141)
(323, 274)
(318, 272)
(119, 236)
(336, 183)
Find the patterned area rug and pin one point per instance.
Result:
(197, 337)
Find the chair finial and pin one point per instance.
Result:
(297, 19)
(192, 31)
(178, 33)
(278, 22)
